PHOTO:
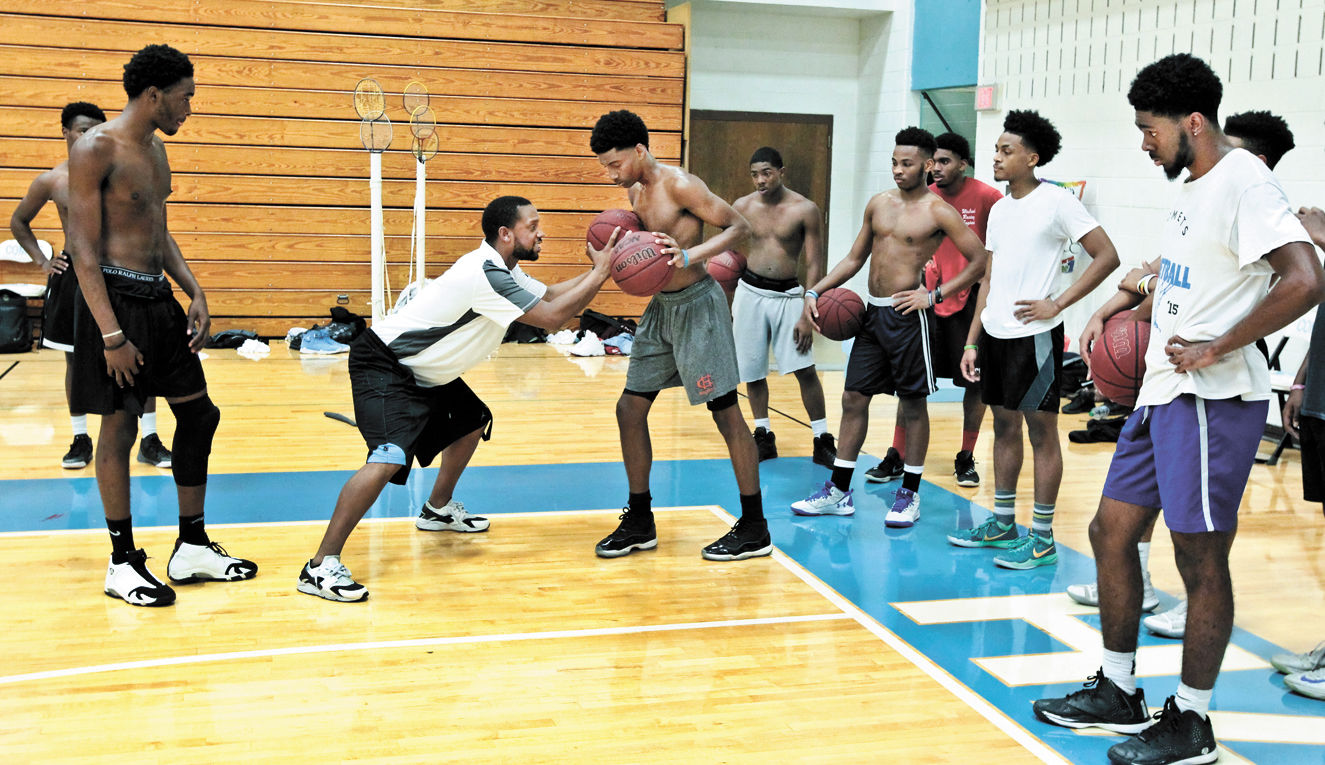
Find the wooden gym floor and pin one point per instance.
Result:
(850, 644)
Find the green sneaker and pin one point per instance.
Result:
(1031, 551)
(991, 533)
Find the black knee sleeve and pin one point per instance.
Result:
(650, 395)
(722, 402)
(195, 424)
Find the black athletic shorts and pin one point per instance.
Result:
(1312, 439)
(1022, 373)
(950, 342)
(57, 312)
(156, 324)
(893, 354)
(402, 421)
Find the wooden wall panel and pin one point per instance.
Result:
(362, 49)
(269, 133)
(370, 20)
(32, 61)
(633, 10)
(270, 191)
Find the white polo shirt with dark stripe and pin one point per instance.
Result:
(459, 318)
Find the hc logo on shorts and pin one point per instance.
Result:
(704, 384)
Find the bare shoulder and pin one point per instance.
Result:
(743, 203)
(683, 180)
(99, 142)
(803, 205)
(883, 199)
(48, 180)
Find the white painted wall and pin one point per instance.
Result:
(768, 57)
(1074, 60)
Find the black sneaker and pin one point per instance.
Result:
(766, 443)
(153, 452)
(747, 539)
(825, 451)
(80, 453)
(1101, 704)
(636, 532)
(964, 468)
(1082, 401)
(1176, 736)
(889, 469)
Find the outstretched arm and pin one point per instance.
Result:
(567, 299)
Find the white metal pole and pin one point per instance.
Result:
(378, 299)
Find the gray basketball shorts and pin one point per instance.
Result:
(762, 317)
(685, 339)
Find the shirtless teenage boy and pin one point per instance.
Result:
(57, 320)
(893, 352)
(767, 305)
(132, 339)
(684, 338)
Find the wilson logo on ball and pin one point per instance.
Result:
(631, 261)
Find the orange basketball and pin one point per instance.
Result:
(841, 312)
(638, 265)
(606, 222)
(726, 268)
(1118, 358)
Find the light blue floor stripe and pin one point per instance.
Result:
(870, 565)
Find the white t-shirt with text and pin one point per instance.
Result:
(459, 318)
(1213, 273)
(1027, 237)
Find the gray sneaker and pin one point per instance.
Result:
(1297, 663)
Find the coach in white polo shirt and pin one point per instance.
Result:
(409, 400)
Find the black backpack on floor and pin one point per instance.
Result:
(15, 327)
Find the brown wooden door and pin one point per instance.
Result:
(721, 143)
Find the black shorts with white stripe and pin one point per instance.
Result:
(894, 353)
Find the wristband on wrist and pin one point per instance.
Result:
(112, 334)
(1297, 386)
(970, 347)
(118, 345)
(931, 298)
(1143, 285)
(685, 257)
(812, 293)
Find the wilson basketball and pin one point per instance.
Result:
(638, 265)
(841, 312)
(1118, 358)
(602, 227)
(726, 268)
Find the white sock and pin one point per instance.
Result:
(1190, 699)
(763, 423)
(79, 423)
(1121, 669)
(1143, 550)
(918, 469)
(148, 423)
(839, 462)
(820, 427)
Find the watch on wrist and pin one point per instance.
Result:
(938, 294)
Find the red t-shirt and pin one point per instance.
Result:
(973, 202)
